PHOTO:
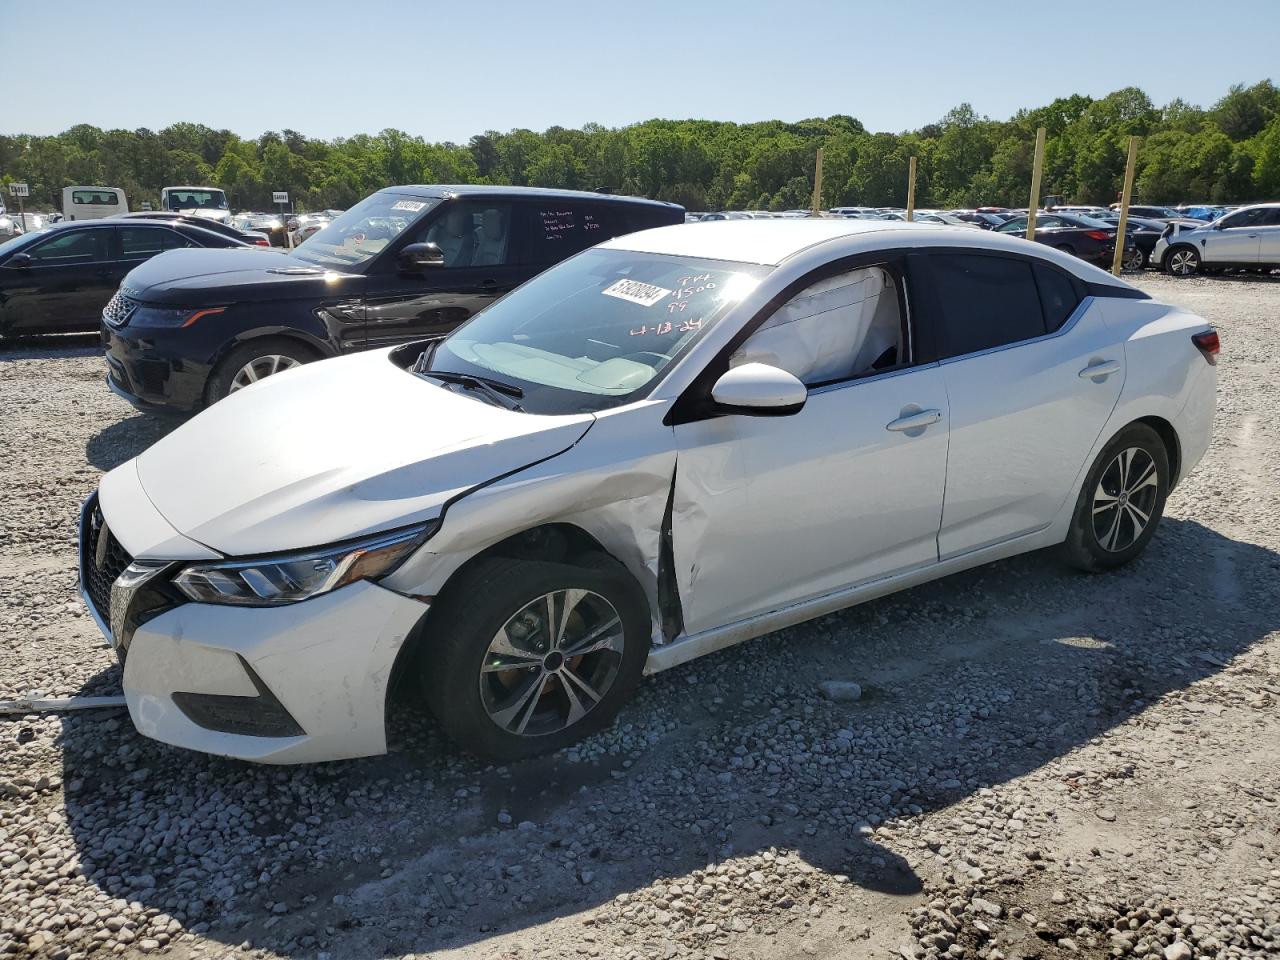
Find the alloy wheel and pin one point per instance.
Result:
(552, 662)
(1134, 260)
(1182, 263)
(260, 367)
(1125, 499)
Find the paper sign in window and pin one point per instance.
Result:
(645, 294)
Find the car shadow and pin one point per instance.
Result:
(53, 346)
(125, 439)
(427, 849)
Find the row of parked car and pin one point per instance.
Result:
(1183, 241)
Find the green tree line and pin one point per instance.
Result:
(1229, 152)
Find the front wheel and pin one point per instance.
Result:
(525, 657)
(1134, 260)
(254, 361)
(1121, 501)
(1183, 261)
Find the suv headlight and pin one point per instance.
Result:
(288, 578)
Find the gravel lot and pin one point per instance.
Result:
(1041, 764)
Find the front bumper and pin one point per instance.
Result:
(326, 662)
(295, 683)
(152, 371)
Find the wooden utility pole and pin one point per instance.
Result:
(1117, 261)
(1036, 163)
(911, 189)
(817, 186)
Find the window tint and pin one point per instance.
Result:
(1058, 296)
(556, 229)
(1270, 218)
(74, 246)
(472, 234)
(984, 302)
(136, 242)
(1245, 218)
(172, 240)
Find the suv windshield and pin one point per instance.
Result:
(197, 200)
(597, 330)
(361, 233)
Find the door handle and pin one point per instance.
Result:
(1100, 371)
(914, 421)
(488, 284)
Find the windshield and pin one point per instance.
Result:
(197, 200)
(597, 330)
(361, 233)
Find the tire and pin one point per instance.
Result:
(521, 703)
(1103, 536)
(268, 355)
(1135, 261)
(1182, 261)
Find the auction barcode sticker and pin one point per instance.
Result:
(413, 206)
(645, 294)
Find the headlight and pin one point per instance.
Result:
(145, 316)
(271, 581)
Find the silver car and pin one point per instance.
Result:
(1247, 238)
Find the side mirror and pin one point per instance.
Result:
(417, 256)
(19, 260)
(759, 390)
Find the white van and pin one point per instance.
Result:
(207, 202)
(93, 203)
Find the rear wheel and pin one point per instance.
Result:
(254, 361)
(1134, 260)
(529, 656)
(1182, 261)
(1121, 501)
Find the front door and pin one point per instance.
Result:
(476, 239)
(65, 286)
(770, 511)
(1238, 238)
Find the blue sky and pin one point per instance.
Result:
(449, 70)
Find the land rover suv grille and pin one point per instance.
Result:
(118, 310)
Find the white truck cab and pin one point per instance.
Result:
(209, 202)
(93, 203)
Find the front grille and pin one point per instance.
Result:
(118, 310)
(98, 577)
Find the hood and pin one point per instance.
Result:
(199, 276)
(335, 450)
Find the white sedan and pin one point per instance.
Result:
(673, 442)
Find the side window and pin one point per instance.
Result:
(845, 326)
(1245, 218)
(137, 242)
(172, 240)
(472, 233)
(555, 229)
(74, 246)
(984, 302)
(1270, 218)
(1058, 296)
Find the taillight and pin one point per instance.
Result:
(1097, 235)
(1207, 343)
(262, 242)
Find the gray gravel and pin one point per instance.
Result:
(1036, 763)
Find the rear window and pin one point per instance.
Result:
(100, 197)
(984, 302)
(1058, 296)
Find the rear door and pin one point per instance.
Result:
(138, 244)
(479, 242)
(1018, 341)
(66, 284)
(1269, 239)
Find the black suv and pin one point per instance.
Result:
(187, 328)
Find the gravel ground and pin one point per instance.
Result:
(1041, 763)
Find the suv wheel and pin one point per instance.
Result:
(1182, 261)
(254, 361)
(528, 656)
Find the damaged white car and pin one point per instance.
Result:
(670, 443)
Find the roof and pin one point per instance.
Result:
(750, 241)
(440, 190)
